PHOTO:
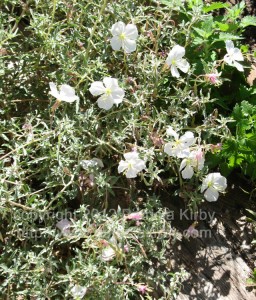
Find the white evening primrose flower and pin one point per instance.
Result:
(175, 61)
(66, 93)
(132, 164)
(180, 146)
(109, 90)
(212, 185)
(233, 55)
(92, 163)
(64, 226)
(124, 36)
(78, 291)
(195, 161)
(108, 253)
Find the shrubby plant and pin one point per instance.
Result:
(58, 156)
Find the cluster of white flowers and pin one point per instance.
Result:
(194, 161)
(109, 92)
(180, 146)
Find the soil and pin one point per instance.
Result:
(222, 258)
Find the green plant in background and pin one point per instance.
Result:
(238, 150)
(102, 105)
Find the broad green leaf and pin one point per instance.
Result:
(248, 21)
(201, 32)
(222, 26)
(214, 6)
(227, 36)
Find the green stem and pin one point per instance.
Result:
(90, 40)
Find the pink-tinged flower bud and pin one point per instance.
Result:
(213, 77)
(137, 223)
(199, 154)
(216, 148)
(126, 248)
(135, 216)
(142, 289)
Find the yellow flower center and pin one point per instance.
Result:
(174, 62)
(122, 36)
(177, 143)
(130, 165)
(210, 184)
(108, 91)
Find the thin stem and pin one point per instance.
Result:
(90, 40)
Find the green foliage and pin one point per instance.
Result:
(45, 143)
(239, 150)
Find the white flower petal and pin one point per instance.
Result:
(67, 93)
(238, 66)
(211, 194)
(110, 82)
(117, 28)
(123, 165)
(139, 164)
(97, 88)
(108, 254)
(116, 43)
(182, 152)
(78, 291)
(171, 132)
(118, 95)
(183, 164)
(105, 102)
(220, 182)
(229, 46)
(131, 32)
(237, 55)
(131, 155)
(204, 186)
(188, 138)
(188, 172)
(178, 52)
(169, 149)
(175, 72)
(183, 65)
(131, 173)
(228, 60)
(98, 161)
(64, 226)
(54, 92)
(129, 45)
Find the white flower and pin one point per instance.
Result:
(64, 226)
(195, 160)
(66, 93)
(180, 147)
(132, 164)
(175, 61)
(212, 185)
(78, 291)
(95, 162)
(109, 90)
(108, 254)
(233, 55)
(124, 36)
